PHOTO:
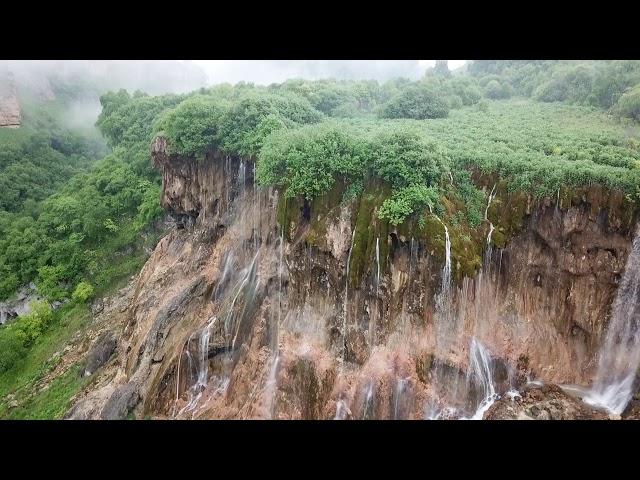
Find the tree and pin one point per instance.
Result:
(418, 102)
(442, 68)
(629, 104)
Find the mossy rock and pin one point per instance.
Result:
(369, 227)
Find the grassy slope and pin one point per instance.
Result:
(53, 402)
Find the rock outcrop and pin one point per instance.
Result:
(248, 309)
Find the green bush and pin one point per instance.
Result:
(496, 90)
(193, 125)
(416, 101)
(307, 160)
(36, 322)
(12, 347)
(407, 201)
(629, 104)
(82, 292)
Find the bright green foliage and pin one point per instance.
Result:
(193, 125)
(416, 101)
(33, 324)
(83, 292)
(18, 336)
(407, 201)
(629, 104)
(77, 230)
(238, 127)
(306, 161)
(597, 83)
(537, 147)
(12, 347)
(404, 157)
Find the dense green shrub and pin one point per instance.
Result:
(307, 160)
(629, 104)
(12, 347)
(83, 292)
(416, 101)
(194, 125)
(407, 201)
(496, 90)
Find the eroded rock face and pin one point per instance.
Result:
(234, 316)
(100, 353)
(10, 114)
(19, 305)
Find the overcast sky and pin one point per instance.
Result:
(164, 76)
(265, 72)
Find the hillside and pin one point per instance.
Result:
(379, 185)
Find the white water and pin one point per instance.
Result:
(480, 374)
(368, 401)
(401, 385)
(277, 333)
(374, 316)
(342, 411)
(346, 296)
(620, 353)
(272, 384)
(491, 197)
(241, 176)
(446, 271)
(491, 228)
(378, 265)
(194, 392)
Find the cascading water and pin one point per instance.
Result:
(377, 265)
(342, 410)
(345, 306)
(401, 386)
(491, 228)
(481, 376)
(620, 353)
(374, 317)
(201, 367)
(445, 326)
(368, 402)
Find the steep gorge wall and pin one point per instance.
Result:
(253, 290)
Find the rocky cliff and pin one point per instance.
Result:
(257, 306)
(10, 115)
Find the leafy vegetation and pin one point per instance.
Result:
(76, 209)
(418, 102)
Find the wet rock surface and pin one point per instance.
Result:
(100, 353)
(547, 402)
(235, 317)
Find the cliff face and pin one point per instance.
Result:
(10, 115)
(257, 307)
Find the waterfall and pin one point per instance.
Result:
(277, 333)
(401, 385)
(194, 392)
(446, 271)
(491, 197)
(378, 265)
(620, 352)
(374, 316)
(247, 287)
(241, 176)
(344, 308)
(488, 252)
(342, 411)
(480, 374)
(368, 401)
